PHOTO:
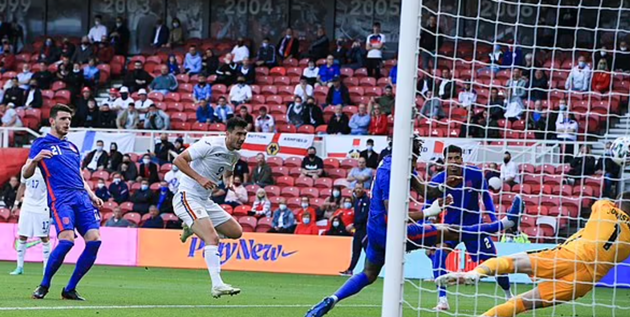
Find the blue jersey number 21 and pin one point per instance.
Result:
(55, 150)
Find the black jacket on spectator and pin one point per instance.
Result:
(142, 200)
(162, 37)
(428, 38)
(340, 230)
(449, 89)
(153, 223)
(345, 95)
(262, 176)
(115, 158)
(607, 165)
(371, 158)
(361, 212)
(538, 88)
(120, 192)
(129, 171)
(82, 55)
(385, 152)
(37, 102)
(102, 160)
(622, 60)
(226, 74)
(209, 65)
(340, 54)
(9, 194)
(5, 30)
(80, 112)
(44, 78)
(250, 76)
(497, 108)
(92, 118)
(106, 120)
(152, 174)
(14, 95)
(167, 201)
(315, 115)
(319, 48)
(74, 82)
(283, 44)
(121, 42)
(49, 55)
(161, 151)
(268, 55)
(582, 166)
(240, 169)
(338, 125)
(137, 74)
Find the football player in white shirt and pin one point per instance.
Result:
(203, 165)
(34, 217)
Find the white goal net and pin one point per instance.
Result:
(532, 92)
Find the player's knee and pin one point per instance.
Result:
(23, 238)
(67, 235)
(210, 238)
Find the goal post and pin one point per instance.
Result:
(401, 158)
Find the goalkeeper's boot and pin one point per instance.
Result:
(466, 278)
(514, 214)
(186, 233)
(225, 289)
(17, 271)
(71, 295)
(40, 292)
(322, 308)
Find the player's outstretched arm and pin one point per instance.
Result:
(31, 164)
(182, 162)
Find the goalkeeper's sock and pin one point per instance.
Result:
(496, 266)
(45, 253)
(21, 251)
(84, 263)
(352, 286)
(55, 261)
(213, 261)
(510, 308)
(472, 232)
(439, 269)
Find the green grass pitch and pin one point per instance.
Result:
(118, 291)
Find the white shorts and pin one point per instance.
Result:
(190, 208)
(33, 224)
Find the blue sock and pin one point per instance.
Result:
(439, 268)
(55, 260)
(504, 282)
(472, 232)
(352, 286)
(84, 263)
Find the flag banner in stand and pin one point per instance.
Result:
(277, 144)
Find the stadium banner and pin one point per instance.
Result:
(349, 146)
(86, 140)
(277, 144)
(254, 252)
(119, 246)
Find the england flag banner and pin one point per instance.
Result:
(277, 144)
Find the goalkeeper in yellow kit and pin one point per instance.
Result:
(566, 272)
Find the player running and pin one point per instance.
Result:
(69, 198)
(203, 165)
(34, 219)
(570, 270)
(468, 183)
(419, 234)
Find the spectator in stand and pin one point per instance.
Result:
(601, 78)
(179, 146)
(75, 80)
(192, 61)
(387, 150)
(509, 170)
(10, 192)
(243, 113)
(311, 73)
(432, 107)
(128, 169)
(164, 199)
(241, 169)
(306, 208)
(149, 170)
(262, 175)
(371, 157)
(288, 46)
(306, 225)
(155, 221)
(266, 54)
(264, 121)
(430, 42)
(81, 108)
(129, 118)
(339, 53)
(218, 193)
(115, 158)
(338, 123)
(173, 65)
(97, 159)
(517, 84)
(160, 34)
(44, 77)
(163, 149)
(513, 57)
(209, 63)
(205, 113)
(227, 72)
(446, 85)
(611, 172)
(314, 112)
(92, 115)
(156, 119)
(98, 31)
(7, 60)
(261, 206)
(223, 112)
(247, 71)
(84, 53)
(566, 129)
(496, 59)
(176, 35)
(328, 72)
(361, 174)
(319, 47)
(121, 103)
(514, 106)
(581, 165)
(241, 92)
(303, 89)
(297, 114)
(337, 227)
(104, 52)
(143, 104)
(137, 79)
(283, 218)
(240, 51)
(14, 94)
(172, 178)
(360, 121)
(338, 94)
(467, 97)
(580, 77)
(312, 165)
(91, 74)
(237, 194)
(67, 48)
(202, 90)
(25, 76)
(539, 120)
(10, 117)
(49, 53)
(393, 73)
(345, 215)
(101, 191)
(33, 96)
(622, 57)
(539, 85)
(117, 220)
(378, 122)
(603, 53)
(492, 171)
(165, 83)
(333, 202)
(120, 37)
(375, 45)
(496, 105)
(386, 101)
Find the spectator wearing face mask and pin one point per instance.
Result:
(83, 54)
(120, 37)
(296, 112)
(172, 178)
(306, 225)
(156, 119)
(49, 53)
(240, 51)
(509, 170)
(237, 194)
(202, 90)
(337, 228)
(601, 78)
(33, 96)
(266, 54)
(92, 116)
(580, 77)
(311, 72)
(128, 169)
(143, 198)
(136, 78)
(241, 92)
(149, 170)
(288, 46)
(566, 130)
(312, 165)
(361, 212)
(97, 159)
(261, 206)
(332, 203)
(106, 118)
(283, 219)
(119, 189)
(115, 157)
(342, 221)
(164, 198)
(98, 31)
(101, 191)
(163, 150)
(314, 112)
(306, 209)
(176, 34)
(122, 102)
(622, 57)
(370, 156)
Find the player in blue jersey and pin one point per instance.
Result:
(418, 234)
(469, 183)
(70, 199)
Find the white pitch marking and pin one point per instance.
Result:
(169, 306)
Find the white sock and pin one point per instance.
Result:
(45, 253)
(214, 264)
(443, 299)
(507, 223)
(21, 251)
(508, 294)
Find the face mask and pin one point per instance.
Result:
(312, 156)
(100, 185)
(175, 25)
(144, 187)
(335, 223)
(118, 24)
(261, 196)
(48, 43)
(175, 168)
(97, 23)
(563, 107)
(265, 44)
(336, 193)
(347, 205)
(311, 67)
(304, 205)
(602, 53)
(283, 207)
(124, 95)
(306, 220)
(146, 161)
(99, 148)
(369, 148)
(582, 64)
(116, 180)
(506, 160)
(623, 48)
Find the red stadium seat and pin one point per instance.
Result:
(241, 210)
(285, 181)
(264, 224)
(336, 173)
(251, 189)
(272, 190)
(248, 223)
(309, 192)
(293, 162)
(290, 192)
(348, 163)
(331, 163)
(278, 171)
(133, 217)
(304, 181)
(323, 182)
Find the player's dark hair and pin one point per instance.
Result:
(452, 149)
(59, 108)
(236, 122)
(624, 201)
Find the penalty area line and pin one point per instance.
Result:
(103, 307)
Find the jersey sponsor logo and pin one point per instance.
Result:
(243, 250)
(273, 148)
(65, 220)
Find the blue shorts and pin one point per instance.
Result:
(480, 249)
(74, 210)
(418, 236)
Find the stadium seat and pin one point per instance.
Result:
(251, 189)
(336, 173)
(217, 127)
(126, 207)
(323, 182)
(104, 175)
(242, 210)
(293, 162)
(348, 163)
(264, 224)
(331, 163)
(248, 223)
(294, 203)
(278, 171)
(272, 190)
(168, 218)
(304, 181)
(306, 129)
(309, 192)
(290, 192)
(108, 206)
(295, 171)
(285, 181)
(5, 214)
(133, 217)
